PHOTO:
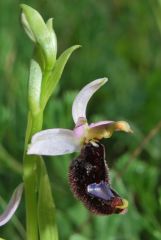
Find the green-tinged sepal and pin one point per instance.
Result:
(53, 79)
(40, 33)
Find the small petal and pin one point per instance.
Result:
(12, 205)
(101, 124)
(123, 126)
(53, 142)
(99, 130)
(83, 97)
(104, 129)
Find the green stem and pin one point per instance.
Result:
(30, 178)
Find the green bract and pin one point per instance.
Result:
(50, 83)
(45, 69)
(40, 33)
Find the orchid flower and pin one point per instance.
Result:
(12, 205)
(88, 173)
(60, 141)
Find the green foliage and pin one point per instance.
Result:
(40, 33)
(121, 40)
(47, 223)
(52, 81)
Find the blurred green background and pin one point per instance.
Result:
(121, 40)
